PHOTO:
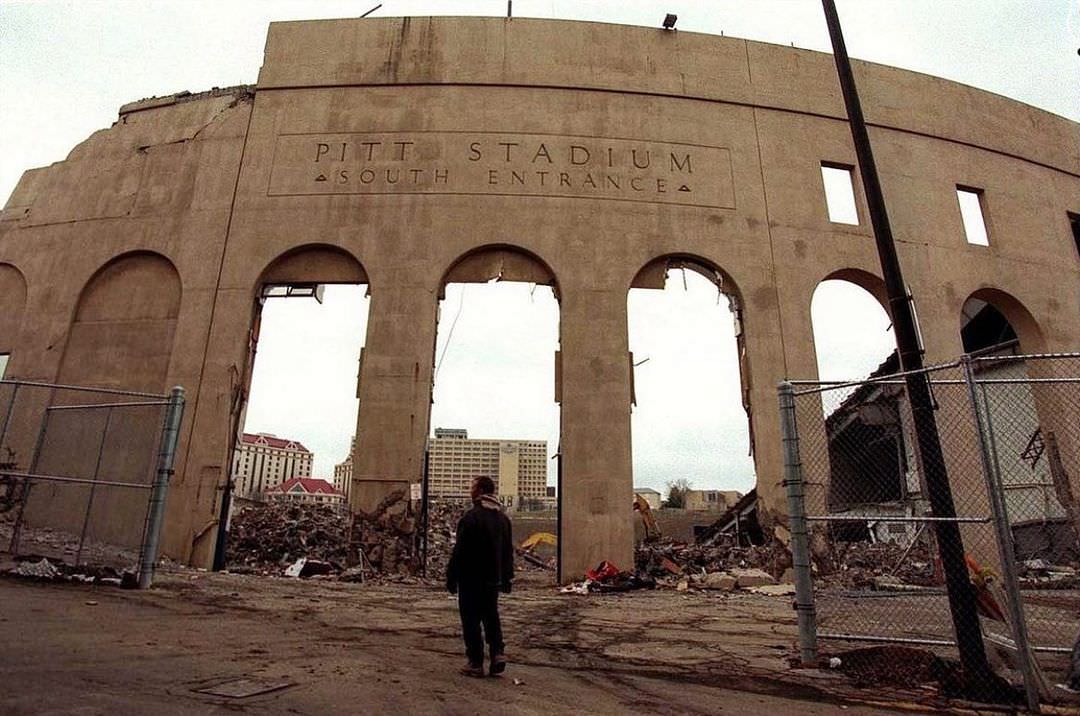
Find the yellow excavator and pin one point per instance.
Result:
(527, 549)
(652, 530)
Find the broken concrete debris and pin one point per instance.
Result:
(319, 541)
(38, 570)
(266, 538)
(44, 569)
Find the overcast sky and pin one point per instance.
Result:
(65, 69)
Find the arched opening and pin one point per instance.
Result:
(993, 321)
(871, 459)
(122, 332)
(494, 409)
(1029, 425)
(121, 337)
(692, 446)
(294, 422)
(12, 301)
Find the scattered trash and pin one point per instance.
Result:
(609, 578)
(576, 588)
(835, 662)
(38, 570)
(90, 603)
(294, 569)
(518, 682)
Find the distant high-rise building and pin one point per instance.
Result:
(343, 472)
(263, 460)
(518, 467)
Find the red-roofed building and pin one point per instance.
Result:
(262, 461)
(312, 490)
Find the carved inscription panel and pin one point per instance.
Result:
(503, 164)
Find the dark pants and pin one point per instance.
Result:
(480, 605)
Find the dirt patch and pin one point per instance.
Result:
(897, 666)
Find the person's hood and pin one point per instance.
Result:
(489, 502)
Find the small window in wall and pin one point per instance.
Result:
(3, 364)
(971, 211)
(839, 194)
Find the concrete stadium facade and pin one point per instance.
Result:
(409, 153)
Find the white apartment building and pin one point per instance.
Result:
(518, 467)
(263, 460)
(343, 473)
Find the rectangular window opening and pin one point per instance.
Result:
(3, 364)
(971, 211)
(839, 194)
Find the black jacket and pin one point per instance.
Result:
(483, 555)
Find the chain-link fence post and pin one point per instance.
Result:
(800, 539)
(170, 434)
(1003, 533)
(24, 494)
(8, 412)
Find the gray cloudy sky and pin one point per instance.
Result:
(66, 67)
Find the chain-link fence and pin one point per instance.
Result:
(864, 476)
(83, 478)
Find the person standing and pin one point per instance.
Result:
(482, 565)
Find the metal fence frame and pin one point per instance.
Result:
(998, 517)
(157, 490)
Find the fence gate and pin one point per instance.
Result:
(83, 477)
(1009, 428)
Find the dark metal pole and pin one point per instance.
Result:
(950, 545)
(424, 498)
(558, 516)
(800, 535)
(170, 436)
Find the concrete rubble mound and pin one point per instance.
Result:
(718, 561)
(270, 536)
(318, 541)
(442, 518)
(719, 565)
(386, 539)
(865, 565)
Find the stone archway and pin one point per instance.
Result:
(122, 332)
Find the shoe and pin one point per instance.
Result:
(471, 669)
(498, 664)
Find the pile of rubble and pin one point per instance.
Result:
(384, 544)
(1040, 574)
(385, 541)
(442, 519)
(43, 569)
(881, 565)
(717, 561)
(715, 564)
(266, 538)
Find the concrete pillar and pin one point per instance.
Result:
(395, 391)
(595, 432)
